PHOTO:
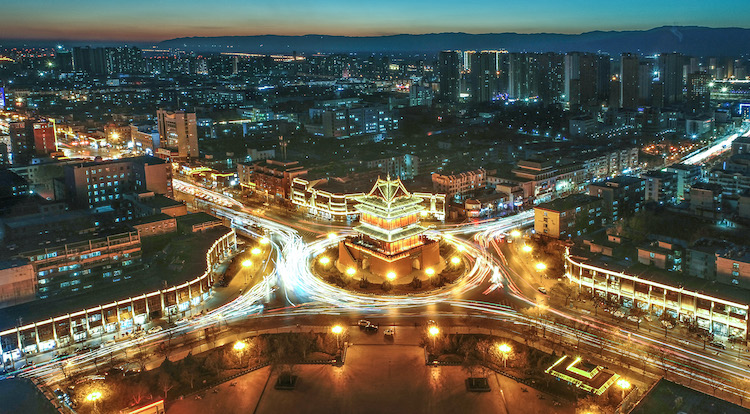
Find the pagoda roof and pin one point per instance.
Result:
(390, 236)
(388, 195)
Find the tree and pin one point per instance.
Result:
(138, 392)
(165, 383)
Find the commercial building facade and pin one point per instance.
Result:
(178, 131)
(720, 316)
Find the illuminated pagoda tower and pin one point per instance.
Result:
(390, 238)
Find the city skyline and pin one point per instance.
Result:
(140, 21)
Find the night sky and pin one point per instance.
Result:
(155, 20)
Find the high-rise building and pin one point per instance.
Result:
(603, 76)
(671, 75)
(178, 131)
(629, 68)
(581, 78)
(645, 79)
(484, 76)
(698, 92)
(522, 75)
(551, 77)
(450, 76)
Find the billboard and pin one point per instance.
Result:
(2, 97)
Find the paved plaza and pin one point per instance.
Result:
(380, 375)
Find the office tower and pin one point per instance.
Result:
(629, 68)
(522, 76)
(178, 131)
(484, 76)
(698, 92)
(551, 77)
(671, 75)
(450, 76)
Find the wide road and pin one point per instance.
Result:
(492, 294)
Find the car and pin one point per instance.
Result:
(632, 318)
(371, 327)
(542, 290)
(181, 320)
(389, 332)
(649, 318)
(363, 323)
(155, 329)
(717, 345)
(108, 343)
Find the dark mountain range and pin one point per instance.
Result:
(691, 40)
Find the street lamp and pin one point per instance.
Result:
(331, 236)
(337, 329)
(526, 248)
(541, 266)
(324, 260)
(264, 241)
(455, 260)
(255, 251)
(93, 398)
(351, 271)
(247, 263)
(391, 275)
(239, 347)
(505, 350)
(429, 271)
(434, 331)
(460, 248)
(624, 385)
(515, 233)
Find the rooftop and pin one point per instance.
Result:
(568, 203)
(187, 250)
(661, 399)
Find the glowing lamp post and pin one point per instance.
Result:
(505, 350)
(391, 276)
(526, 248)
(247, 263)
(541, 266)
(338, 329)
(429, 272)
(255, 251)
(434, 332)
(516, 234)
(331, 236)
(239, 347)
(93, 398)
(455, 260)
(324, 261)
(351, 271)
(624, 385)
